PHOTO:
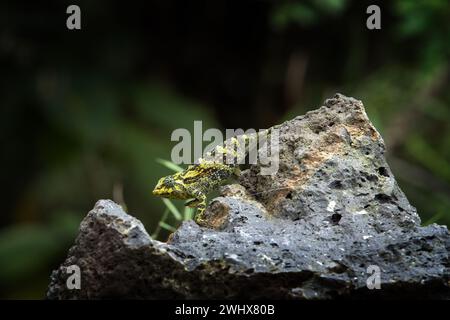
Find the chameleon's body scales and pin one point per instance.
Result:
(197, 180)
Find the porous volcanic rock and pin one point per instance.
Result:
(318, 228)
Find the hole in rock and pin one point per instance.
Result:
(383, 171)
(335, 218)
(383, 198)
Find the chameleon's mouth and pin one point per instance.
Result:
(161, 189)
(158, 190)
(164, 192)
(161, 192)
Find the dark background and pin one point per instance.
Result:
(85, 114)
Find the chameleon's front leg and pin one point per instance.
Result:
(198, 202)
(201, 207)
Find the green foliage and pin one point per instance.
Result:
(29, 251)
(92, 145)
(306, 13)
(176, 214)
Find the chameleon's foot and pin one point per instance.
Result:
(200, 221)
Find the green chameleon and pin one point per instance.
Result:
(197, 180)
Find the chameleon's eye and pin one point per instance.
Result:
(169, 182)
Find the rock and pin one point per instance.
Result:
(318, 228)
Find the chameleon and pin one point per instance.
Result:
(196, 181)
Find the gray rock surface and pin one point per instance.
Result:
(309, 231)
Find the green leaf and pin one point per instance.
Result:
(434, 218)
(172, 209)
(155, 233)
(167, 226)
(170, 165)
(188, 213)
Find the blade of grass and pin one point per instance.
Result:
(188, 213)
(172, 209)
(170, 165)
(434, 218)
(155, 233)
(167, 226)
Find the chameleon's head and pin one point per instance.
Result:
(166, 187)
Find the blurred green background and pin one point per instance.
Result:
(84, 114)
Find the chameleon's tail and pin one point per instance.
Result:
(234, 150)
